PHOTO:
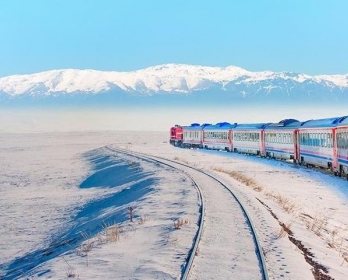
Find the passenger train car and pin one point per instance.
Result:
(218, 136)
(342, 147)
(248, 138)
(317, 144)
(281, 140)
(321, 143)
(193, 135)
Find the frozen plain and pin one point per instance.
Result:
(59, 191)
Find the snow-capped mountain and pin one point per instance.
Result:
(171, 78)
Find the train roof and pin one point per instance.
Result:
(286, 123)
(220, 125)
(251, 126)
(196, 126)
(343, 121)
(328, 122)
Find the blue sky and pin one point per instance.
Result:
(308, 36)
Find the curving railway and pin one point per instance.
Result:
(226, 243)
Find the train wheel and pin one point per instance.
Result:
(341, 171)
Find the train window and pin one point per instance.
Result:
(309, 139)
(313, 139)
(330, 140)
(322, 139)
(339, 140)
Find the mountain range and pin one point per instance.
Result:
(173, 82)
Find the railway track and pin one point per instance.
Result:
(226, 244)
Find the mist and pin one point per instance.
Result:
(32, 120)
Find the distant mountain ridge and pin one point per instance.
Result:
(173, 79)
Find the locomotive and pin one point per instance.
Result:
(320, 143)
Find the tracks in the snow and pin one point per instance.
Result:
(226, 242)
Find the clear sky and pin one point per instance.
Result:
(308, 36)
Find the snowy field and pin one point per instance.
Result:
(66, 200)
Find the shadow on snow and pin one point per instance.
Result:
(92, 217)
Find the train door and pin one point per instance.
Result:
(296, 139)
(334, 150)
(230, 139)
(263, 144)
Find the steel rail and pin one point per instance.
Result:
(259, 252)
(198, 235)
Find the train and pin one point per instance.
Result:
(321, 143)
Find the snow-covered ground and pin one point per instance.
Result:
(66, 198)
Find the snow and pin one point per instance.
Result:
(65, 201)
(178, 78)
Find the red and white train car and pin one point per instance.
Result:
(317, 139)
(281, 140)
(218, 136)
(342, 146)
(249, 138)
(193, 135)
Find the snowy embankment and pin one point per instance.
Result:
(61, 191)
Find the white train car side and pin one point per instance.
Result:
(281, 140)
(218, 136)
(318, 144)
(193, 135)
(342, 147)
(249, 138)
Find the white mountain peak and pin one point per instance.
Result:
(160, 78)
